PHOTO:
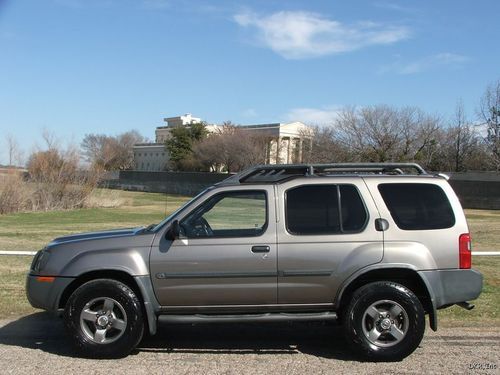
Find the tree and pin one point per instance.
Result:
(322, 146)
(108, 153)
(56, 181)
(459, 142)
(231, 149)
(382, 133)
(14, 151)
(489, 113)
(180, 145)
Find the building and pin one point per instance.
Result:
(150, 157)
(162, 133)
(286, 142)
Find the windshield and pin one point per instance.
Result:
(181, 208)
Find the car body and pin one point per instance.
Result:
(369, 245)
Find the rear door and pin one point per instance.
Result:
(326, 232)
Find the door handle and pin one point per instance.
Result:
(260, 249)
(381, 225)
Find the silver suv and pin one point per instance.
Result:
(373, 246)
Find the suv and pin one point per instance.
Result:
(373, 246)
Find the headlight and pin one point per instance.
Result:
(40, 260)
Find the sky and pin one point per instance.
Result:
(74, 67)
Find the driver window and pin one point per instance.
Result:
(231, 214)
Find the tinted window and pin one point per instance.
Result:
(232, 214)
(353, 210)
(418, 206)
(324, 209)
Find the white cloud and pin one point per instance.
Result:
(249, 112)
(427, 63)
(300, 34)
(313, 116)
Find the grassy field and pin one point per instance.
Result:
(30, 231)
(484, 226)
(33, 230)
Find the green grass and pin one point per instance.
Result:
(487, 310)
(13, 302)
(30, 231)
(484, 226)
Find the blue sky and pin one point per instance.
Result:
(107, 66)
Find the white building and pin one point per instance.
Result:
(150, 157)
(286, 142)
(162, 133)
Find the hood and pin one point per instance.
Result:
(127, 232)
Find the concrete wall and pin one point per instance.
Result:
(477, 189)
(474, 189)
(184, 183)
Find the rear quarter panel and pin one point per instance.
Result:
(422, 249)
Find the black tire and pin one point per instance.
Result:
(116, 307)
(383, 300)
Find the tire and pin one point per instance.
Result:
(384, 321)
(104, 319)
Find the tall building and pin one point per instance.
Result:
(286, 142)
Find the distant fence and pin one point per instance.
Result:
(184, 183)
(475, 189)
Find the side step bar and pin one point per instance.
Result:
(244, 318)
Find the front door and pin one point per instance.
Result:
(226, 253)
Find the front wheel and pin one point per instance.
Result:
(104, 319)
(384, 321)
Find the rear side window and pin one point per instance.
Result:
(324, 209)
(418, 206)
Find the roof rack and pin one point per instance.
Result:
(281, 172)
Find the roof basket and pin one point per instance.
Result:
(281, 172)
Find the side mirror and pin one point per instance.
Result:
(174, 231)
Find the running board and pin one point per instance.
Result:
(244, 318)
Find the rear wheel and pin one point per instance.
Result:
(104, 318)
(384, 321)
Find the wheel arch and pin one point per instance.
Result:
(405, 276)
(140, 285)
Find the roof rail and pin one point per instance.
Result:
(280, 172)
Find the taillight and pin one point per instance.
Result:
(464, 250)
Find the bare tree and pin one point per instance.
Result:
(14, 151)
(230, 148)
(382, 133)
(56, 181)
(107, 153)
(461, 139)
(489, 113)
(50, 139)
(321, 145)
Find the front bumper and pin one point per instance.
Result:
(46, 295)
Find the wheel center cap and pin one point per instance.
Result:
(102, 320)
(385, 323)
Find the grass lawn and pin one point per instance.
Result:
(31, 231)
(484, 226)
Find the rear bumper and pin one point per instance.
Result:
(447, 287)
(46, 295)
